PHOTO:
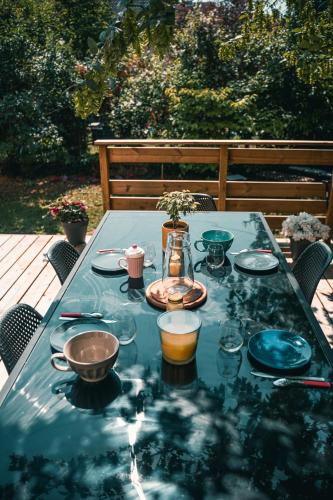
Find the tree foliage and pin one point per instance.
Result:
(220, 79)
(39, 128)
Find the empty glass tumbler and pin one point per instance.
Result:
(232, 335)
(215, 256)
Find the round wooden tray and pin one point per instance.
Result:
(157, 296)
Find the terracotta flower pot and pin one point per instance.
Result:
(297, 247)
(75, 232)
(168, 227)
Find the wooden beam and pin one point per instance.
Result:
(164, 155)
(158, 187)
(268, 206)
(274, 156)
(237, 189)
(223, 173)
(279, 205)
(264, 189)
(105, 176)
(329, 214)
(217, 142)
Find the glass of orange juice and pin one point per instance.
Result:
(179, 331)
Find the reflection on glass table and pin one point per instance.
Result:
(228, 363)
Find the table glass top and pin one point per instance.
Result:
(152, 430)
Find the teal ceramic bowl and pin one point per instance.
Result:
(214, 236)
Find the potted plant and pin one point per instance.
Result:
(74, 218)
(175, 204)
(303, 229)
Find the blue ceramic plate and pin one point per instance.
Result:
(279, 349)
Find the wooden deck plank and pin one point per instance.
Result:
(323, 318)
(11, 279)
(48, 296)
(43, 281)
(26, 279)
(4, 238)
(16, 252)
(7, 247)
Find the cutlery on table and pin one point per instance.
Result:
(284, 382)
(101, 319)
(268, 375)
(66, 315)
(262, 250)
(111, 250)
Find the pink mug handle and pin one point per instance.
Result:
(123, 266)
(55, 365)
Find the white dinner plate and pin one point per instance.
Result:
(258, 262)
(107, 262)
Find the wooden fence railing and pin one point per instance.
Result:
(276, 200)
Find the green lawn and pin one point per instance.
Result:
(24, 202)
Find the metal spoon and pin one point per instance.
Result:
(283, 382)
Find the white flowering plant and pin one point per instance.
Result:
(305, 227)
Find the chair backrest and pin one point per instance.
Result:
(17, 326)
(63, 258)
(206, 202)
(310, 266)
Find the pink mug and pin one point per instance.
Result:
(133, 261)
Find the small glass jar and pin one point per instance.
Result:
(175, 302)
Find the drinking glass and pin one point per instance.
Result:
(177, 266)
(150, 252)
(123, 326)
(232, 335)
(179, 332)
(215, 256)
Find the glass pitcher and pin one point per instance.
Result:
(177, 267)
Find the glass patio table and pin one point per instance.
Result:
(207, 430)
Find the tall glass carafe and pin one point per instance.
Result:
(177, 267)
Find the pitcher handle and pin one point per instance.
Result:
(196, 243)
(57, 366)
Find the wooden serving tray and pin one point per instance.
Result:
(157, 296)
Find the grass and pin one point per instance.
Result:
(24, 202)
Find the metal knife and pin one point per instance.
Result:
(268, 375)
(99, 319)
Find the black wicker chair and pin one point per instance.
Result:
(17, 326)
(63, 258)
(310, 266)
(206, 202)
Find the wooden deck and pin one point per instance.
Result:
(26, 276)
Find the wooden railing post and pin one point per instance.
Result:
(105, 176)
(223, 173)
(329, 214)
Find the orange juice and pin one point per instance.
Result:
(179, 332)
